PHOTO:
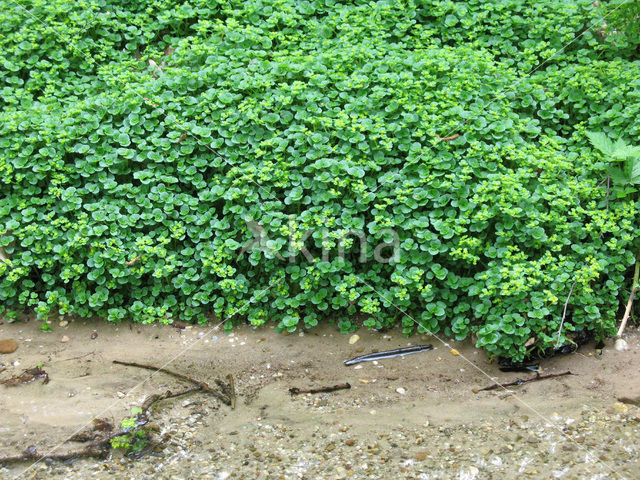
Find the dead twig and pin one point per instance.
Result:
(446, 139)
(298, 391)
(131, 263)
(153, 399)
(520, 381)
(630, 401)
(202, 386)
(232, 387)
(75, 358)
(32, 454)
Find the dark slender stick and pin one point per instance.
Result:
(75, 358)
(201, 385)
(388, 354)
(298, 391)
(153, 399)
(90, 451)
(519, 381)
(232, 387)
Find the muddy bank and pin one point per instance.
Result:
(417, 416)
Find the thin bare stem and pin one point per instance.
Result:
(564, 314)
(519, 381)
(634, 287)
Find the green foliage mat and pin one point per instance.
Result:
(139, 141)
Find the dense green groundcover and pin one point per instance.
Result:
(142, 145)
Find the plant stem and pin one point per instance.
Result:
(634, 287)
(564, 314)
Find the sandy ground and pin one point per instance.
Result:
(418, 417)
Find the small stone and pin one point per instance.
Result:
(621, 345)
(620, 407)
(363, 380)
(438, 359)
(63, 323)
(351, 442)
(64, 339)
(475, 390)
(454, 352)
(421, 456)
(330, 447)
(354, 339)
(94, 335)
(8, 346)
(401, 390)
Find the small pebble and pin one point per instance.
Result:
(8, 346)
(621, 345)
(353, 339)
(64, 339)
(454, 352)
(401, 390)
